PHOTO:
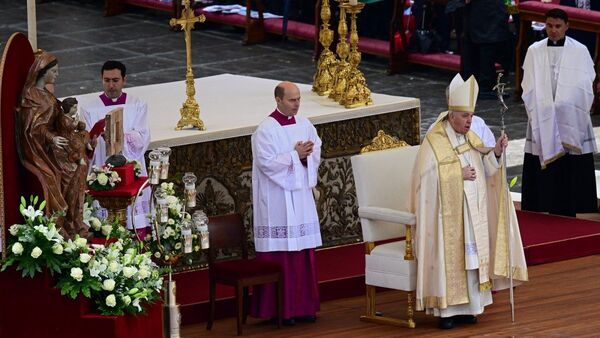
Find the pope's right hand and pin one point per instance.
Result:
(469, 173)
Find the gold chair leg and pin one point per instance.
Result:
(371, 317)
(410, 311)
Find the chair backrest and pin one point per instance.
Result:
(383, 179)
(226, 232)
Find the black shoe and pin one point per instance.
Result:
(306, 319)
(465, 319)
(288, 322)
(446, 323)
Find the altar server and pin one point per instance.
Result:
(135, 128)
(558, 168)
(286, 152)
(460, 201)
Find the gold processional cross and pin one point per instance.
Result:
(190, 112)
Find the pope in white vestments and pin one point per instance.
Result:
(558, 167)
(135, 129)
(463, 212)
(286, 152)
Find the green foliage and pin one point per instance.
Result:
(119, 278)
(513, 181)
(36, 243)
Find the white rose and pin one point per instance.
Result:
(17, 248)
(81, 242)
(114, 174)
(111, 300)
(171, 221)
(171, 200)
(170, 185)
(95, 223)
(126, 299)
(14, 229)
(102, 179)
(106, 229)
(197, 248)
(77, 274)
(113, 267)
(129, 271)
(108, 284)
(84, 258)
(36, 252)
(157, 254)
(164, 185)
(177, 246)
(144, 273)
(57, 249)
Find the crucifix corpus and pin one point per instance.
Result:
(190, 112)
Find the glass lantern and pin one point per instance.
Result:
(189, 180)
(154, 171)
(163, 207)
(165, 152)
(201, 224)
(186, 235)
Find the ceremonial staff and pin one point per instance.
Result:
(499, 88)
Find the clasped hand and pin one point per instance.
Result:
(304, 148)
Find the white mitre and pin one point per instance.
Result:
(462, 95)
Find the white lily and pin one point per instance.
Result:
(31, 213)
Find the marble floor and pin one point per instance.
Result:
(82, 38)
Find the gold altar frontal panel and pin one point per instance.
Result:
(224, 171)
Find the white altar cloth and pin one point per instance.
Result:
(234, 105)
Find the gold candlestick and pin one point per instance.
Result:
(356, 93)
(342, 50)
(190, 112)
(327, 63)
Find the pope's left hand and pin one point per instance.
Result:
(501, 144)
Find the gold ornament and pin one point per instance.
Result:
(190, 112)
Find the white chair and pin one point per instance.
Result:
(383, 184)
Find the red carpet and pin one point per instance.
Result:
(549, 238)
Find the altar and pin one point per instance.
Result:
(232, 106)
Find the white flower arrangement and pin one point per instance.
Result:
(167, 245)
(34, 244)
(103, 178)
(118, 278)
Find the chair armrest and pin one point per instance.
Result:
(387, 215)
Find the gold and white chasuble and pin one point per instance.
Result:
(461, 233)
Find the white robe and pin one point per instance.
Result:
(137, 138)
(285, 214)
(558, 122)
(478, 225)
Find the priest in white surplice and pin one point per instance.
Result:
(286, 152)
(558, 167)
(459, 198)
(135, 129)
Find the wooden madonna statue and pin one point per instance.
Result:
(53, 145)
